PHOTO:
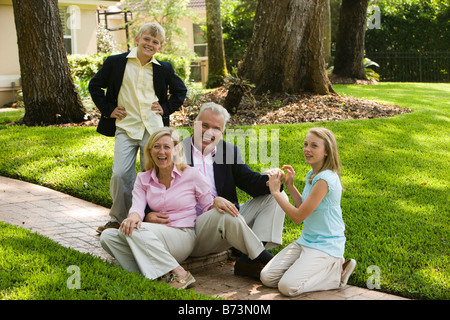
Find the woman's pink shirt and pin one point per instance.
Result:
(188, 191)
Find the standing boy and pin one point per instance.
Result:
(135, 103)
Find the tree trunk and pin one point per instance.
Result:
(286, 53)
(327, 33)
(348, 61)
(233, 98)
(49, 94)
(216, 52)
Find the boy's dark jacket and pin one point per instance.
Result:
(110, 77)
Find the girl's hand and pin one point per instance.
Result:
(129, 223)
(275, 181)
(290, 174)
(223, 205)
(274, 171)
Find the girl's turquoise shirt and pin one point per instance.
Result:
(324, 228)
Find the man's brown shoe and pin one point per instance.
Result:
(110, 224)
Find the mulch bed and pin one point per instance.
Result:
(283, 108)
(280, 109)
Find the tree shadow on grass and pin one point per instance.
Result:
(70, 160)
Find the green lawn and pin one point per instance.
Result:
(33, 267)
(395, 175)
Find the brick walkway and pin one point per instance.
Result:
(72, 223)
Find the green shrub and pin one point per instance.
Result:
(85, 66)
(410, 26)
(180, 64)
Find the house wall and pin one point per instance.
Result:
(84, 34)
(9, 63)
(84, 31)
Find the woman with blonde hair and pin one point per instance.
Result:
(178, 193)
(314, 261)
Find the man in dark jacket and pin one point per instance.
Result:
(134, 105)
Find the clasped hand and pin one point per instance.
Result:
(157, 217)
(277, 177)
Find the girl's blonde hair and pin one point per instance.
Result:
(179, 158)
(332, 160)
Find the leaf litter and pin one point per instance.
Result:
(287, 108)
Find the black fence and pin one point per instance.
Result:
(412, 66)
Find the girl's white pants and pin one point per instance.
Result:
(297, 269)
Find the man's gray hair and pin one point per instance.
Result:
(217, 108)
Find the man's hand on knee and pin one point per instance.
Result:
(223, 205)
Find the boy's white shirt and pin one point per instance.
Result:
(136, 95)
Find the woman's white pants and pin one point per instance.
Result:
(153, 249)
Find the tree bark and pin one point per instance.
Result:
(49, 93)
(286, 53)
(327, 33)
(233, 98)
(217, 68)
(348, 61)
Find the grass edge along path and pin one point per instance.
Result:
(33, 267)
